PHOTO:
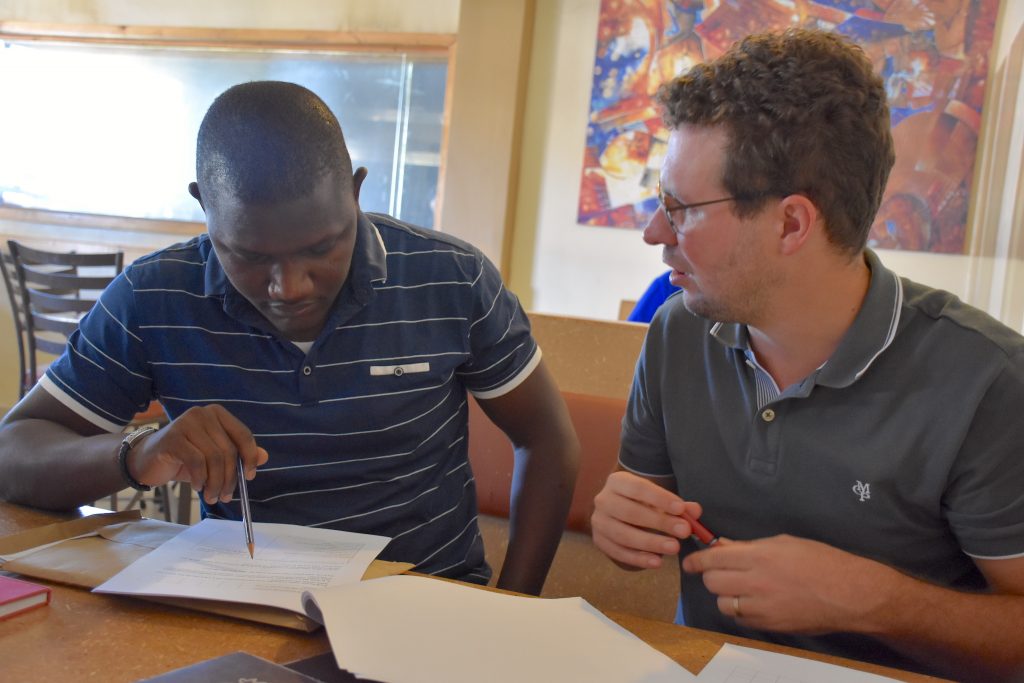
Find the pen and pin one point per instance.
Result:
(243, 495)
(701, 532)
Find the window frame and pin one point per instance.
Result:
(311, 41)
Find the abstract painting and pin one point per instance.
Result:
(933, 56)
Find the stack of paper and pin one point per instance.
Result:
(405, 629)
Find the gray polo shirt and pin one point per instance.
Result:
(904, 447)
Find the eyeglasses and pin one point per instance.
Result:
(679, 206)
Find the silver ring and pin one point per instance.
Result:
(736, 607)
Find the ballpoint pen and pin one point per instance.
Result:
(243, 495)
(701, 532)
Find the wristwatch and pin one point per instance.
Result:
(130, 439)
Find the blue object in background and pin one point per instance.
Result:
(659, 290)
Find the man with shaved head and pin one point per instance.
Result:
(330, 349)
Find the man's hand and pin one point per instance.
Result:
(636, 521)
(202, 446)
(793, 584)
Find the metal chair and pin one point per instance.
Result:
(27, 376)
(54, 291)
(49, 293)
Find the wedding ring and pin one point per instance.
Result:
(736, 607)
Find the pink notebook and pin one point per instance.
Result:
(17, 596)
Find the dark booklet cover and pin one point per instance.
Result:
(242, 666)
(324, 669)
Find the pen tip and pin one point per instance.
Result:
(252, 547)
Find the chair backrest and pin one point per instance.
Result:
(593, 362)
(17, 312)
(50, 292)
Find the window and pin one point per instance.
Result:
(110, 128)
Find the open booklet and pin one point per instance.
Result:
(210, 561)
(88, 551)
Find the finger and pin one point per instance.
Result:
(604, 535)
(694, 562)
(728, 581)
(657, 497)
(261, 457)
(244, 449)
(739, 607)
(219, 451)
(241, 437)
(639, 514)
(725, 554)
(645, 491)
(624, 532)
(189, 458)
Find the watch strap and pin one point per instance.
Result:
(130, 439)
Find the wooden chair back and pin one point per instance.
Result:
(593, 362)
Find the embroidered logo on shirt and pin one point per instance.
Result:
(862, 490)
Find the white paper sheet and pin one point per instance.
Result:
(407, 629)
(737, 664)
(210, 560)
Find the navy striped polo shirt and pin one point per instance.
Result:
(367, 431)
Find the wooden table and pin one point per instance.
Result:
(82, 636)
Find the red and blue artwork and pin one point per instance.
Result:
(932, 54)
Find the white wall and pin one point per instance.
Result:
(435, 16)
(569, 269)
(1012, 22)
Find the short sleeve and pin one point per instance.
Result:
(103, 374)
(502, 351)
(984, 501)
(643, 449)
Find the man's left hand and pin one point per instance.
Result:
(794, 585)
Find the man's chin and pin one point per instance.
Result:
(294, 330)
(299, 335)
(702, 308)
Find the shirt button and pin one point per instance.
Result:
(767, 414)
(399, 371)
(307, 371)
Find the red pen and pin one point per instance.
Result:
(701, 532)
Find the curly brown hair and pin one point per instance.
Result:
(806, 114)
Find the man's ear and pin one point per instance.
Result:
(193, 189)
(799, 218)
(357, 181)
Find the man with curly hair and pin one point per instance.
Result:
(849, 433)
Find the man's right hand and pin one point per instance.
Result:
(636, 521)
(202, 447)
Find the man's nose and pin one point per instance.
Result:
(289, 281)
(658, 230)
